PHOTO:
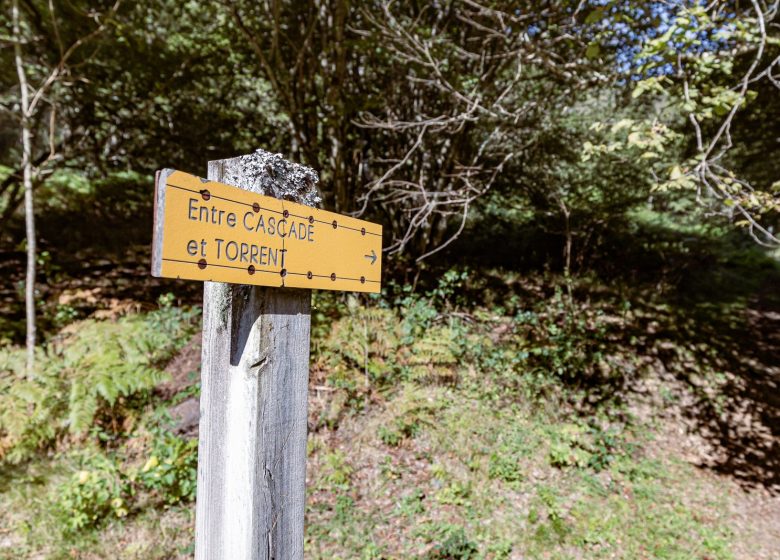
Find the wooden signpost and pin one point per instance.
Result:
(207, 230)
(250, 232)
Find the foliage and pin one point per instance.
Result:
(369, 348)
(412, 504)
(104, 489)
(409, 422)
(711, 63)
(332, 90)
(92, 372)
(575, 445)
(28, 408)
(436, 459)
(563, 342)
(172, 469)
(505, 467)
(93, 495)
(452, 543)
(337, 471)
(570, 144)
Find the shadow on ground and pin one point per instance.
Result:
(704, 323)
(726, 360)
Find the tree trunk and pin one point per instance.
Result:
(29, 214)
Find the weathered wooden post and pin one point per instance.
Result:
(255, 370)
(253, 402)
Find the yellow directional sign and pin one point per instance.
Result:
(205, 230)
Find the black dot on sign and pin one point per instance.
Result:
(202, 264)
(286, 213)
(283, 272)
(251, 269)
(311, 219)
(335, 224)
(205, 194)
(309, 275)
(362, 231)
(362, 279)
(255, 207)
(333, 276)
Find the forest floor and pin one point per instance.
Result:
(632, 421)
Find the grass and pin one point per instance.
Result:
(481, 481)
(437, 495)
(443, 432)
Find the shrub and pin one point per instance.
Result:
(575, 445)
(452, 542)
(102, 489)
(96, 493)
(404, 427)
(31, 410)
(361, 348)
(504, 465)
(336, 471)
(566, 342)
(172, 469)
(411, 413)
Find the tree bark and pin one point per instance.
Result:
(29, 210)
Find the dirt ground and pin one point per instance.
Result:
(729, 429)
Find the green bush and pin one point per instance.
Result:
(32, 411)
(595, 448)
(336, 471)
(418, 312)
(403, 428)
(503, 465)
(412, 415)
(102, 489)
(412, 504)
(95, 494)
(172, 469)
(564, 340)
(606, 446)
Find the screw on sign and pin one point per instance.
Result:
(251, 232)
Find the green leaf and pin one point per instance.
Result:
(595, 16)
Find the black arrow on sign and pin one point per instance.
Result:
(371, 257)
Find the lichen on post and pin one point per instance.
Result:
(270, 174)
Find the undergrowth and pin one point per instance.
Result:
(508, 423)
(471, 432)
(106, 488)
(94, 377)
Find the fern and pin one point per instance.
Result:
(433, 357)
(28, 408)
(109, 361)
(84, 373)
(366, 341)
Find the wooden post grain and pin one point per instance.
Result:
(253, 404)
